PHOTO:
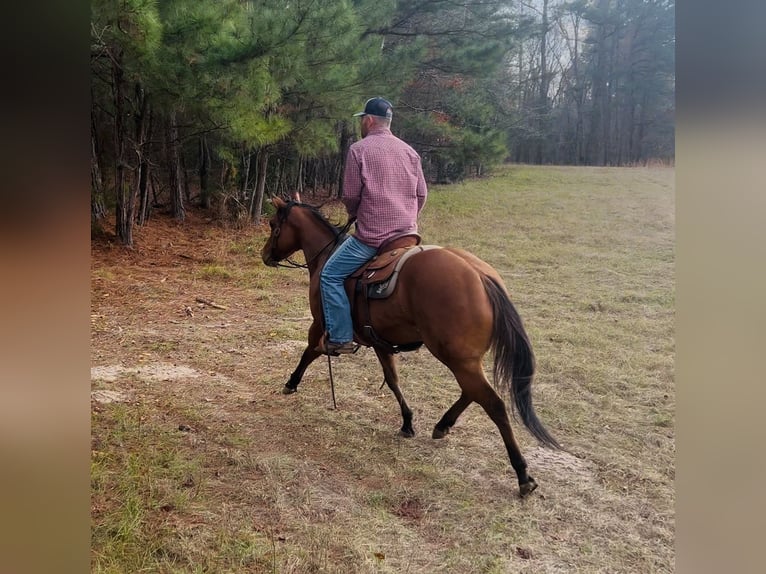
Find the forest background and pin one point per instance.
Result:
(218, 104)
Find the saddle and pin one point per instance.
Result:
(377, 279)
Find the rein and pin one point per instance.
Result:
(332, 382)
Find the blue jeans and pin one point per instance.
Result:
(347, 258)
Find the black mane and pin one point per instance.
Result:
(321, 217)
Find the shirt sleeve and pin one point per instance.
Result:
(352, 184)
(422, 189)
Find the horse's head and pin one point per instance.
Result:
(297, 226)
(284, 239)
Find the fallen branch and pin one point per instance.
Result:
(209, 303)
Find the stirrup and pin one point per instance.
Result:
(326, 347)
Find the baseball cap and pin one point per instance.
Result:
(380, 107)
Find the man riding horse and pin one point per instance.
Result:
(384, 190)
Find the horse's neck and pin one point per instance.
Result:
(317, 244)
(315, 265)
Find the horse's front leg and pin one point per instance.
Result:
(388, 362)
(308, 357)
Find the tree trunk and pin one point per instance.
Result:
(542, 106)
(204, 172)
(279, 179)
(640, 130)
(578, 95)
(123, 190)
(142, 165)
(345, 143)
(143, 193)
(299, 179)
(184, 175)
(97, 207)
(598, 135)
(256, 206)
(247, 155)
(316, 177)
(174, 161)
(608, 123)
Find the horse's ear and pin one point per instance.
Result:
(278, 202)
(296, 197)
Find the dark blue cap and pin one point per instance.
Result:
(377, 107)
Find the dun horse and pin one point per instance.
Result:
(447, 299)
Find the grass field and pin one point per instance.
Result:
(200, 464)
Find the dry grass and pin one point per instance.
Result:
(200, 465)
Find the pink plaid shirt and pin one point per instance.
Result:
(383, 187)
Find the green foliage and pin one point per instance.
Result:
(462, 48)
(467, 81)
(252, 126)
(314, 137)
(459, 138)
(131, 26)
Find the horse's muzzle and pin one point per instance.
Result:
(266, 256)
(269, 261)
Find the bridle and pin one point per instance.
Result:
(275, 237)
(290, 264)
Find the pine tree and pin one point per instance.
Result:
(124, 38)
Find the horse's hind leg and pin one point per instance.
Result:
(450, 417)
(388, 362)
(308, 357)
(476, 387)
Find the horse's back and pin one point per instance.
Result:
(447, 264)
(480, 265)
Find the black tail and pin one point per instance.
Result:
(514, 365)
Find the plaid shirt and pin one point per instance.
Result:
(383, 187)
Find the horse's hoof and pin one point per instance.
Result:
(288, 390)
(527, 487)
(440, 433)
(407, 433)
